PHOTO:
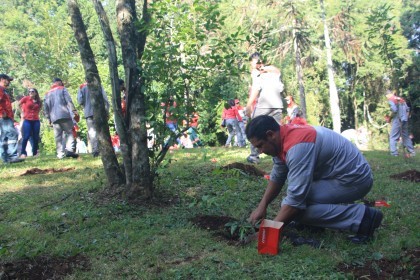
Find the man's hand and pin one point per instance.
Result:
(248, 111)
(257, 214)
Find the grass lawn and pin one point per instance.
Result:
(62, 222)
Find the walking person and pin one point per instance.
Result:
(8, 134)
(232, 118)
(325, 172)
(58, 109)
(241, 111)
(400, 113)
(31, 106)
(266, 91)
(84, 99)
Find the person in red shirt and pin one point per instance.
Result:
(8, 133)
(231, 115)
(241, 111)
(30, 105)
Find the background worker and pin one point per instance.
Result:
(58, 109)
(266, 91)
(8, 134)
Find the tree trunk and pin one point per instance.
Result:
(132, 45)
(299, 71)
(120, 124)
(334, 102)
(109, 159)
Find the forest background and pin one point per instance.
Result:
(197, 51)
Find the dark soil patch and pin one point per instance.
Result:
(43, 267)
(213, 223)
(406, 267)
(410, 175)
(218, 226)
(34, 171)
(247, 168)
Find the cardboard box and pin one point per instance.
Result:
(269, 237)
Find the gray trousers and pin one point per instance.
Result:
(63, 136)
(331, 205)
(399, 129)
(93, 138)
(276, 113)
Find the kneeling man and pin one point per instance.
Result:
(326, 173)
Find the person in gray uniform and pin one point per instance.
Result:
(84, 99)
(325, 172)
(266, 94)
(58, 109)
(400, 113)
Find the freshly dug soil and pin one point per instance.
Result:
(43, 267)
(213, 223)
(217, 225)
(410, 175)
(247, 168)
(406, 267)
(35, 170)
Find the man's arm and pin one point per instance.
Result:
(47, 110)
(272, 191)
(80, 97)
(252, 97)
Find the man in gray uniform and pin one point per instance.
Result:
(326, 173)
(265, 94)
(58, 109)
(83, 98)
(399, 124)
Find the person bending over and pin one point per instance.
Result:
(326, 173)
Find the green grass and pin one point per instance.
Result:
(62, 214)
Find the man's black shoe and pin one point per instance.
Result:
(71, 154)
(95, 154)
(372, 219)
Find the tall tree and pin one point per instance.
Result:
(109, 159)
(300, 42)
(334, 102)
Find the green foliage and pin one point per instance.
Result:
(48, 140)
(242, 229)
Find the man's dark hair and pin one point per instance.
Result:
(231, 102)
(258, 127)
(257, 56)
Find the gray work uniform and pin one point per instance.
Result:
(399, 125)
(326, 173)
(58, 108)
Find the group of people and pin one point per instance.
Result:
(61, 114)
(325, 172)
(234, 120)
